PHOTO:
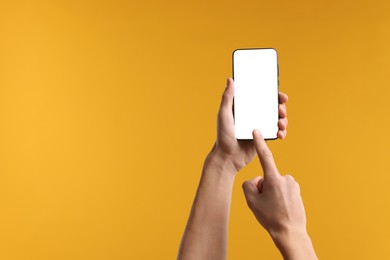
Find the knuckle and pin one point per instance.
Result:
(290, 178)
(245, 187)
(273, 184)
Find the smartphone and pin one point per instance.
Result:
(256, 95)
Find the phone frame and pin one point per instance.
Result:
(277, 69)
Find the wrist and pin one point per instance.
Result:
(288, 236)
(221, 162)
(292, 243)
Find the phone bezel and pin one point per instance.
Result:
(277, 69)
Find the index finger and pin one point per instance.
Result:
(265, 155)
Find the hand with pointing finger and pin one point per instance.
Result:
(206, 233)
(276, 202)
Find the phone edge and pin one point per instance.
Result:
(277, 70)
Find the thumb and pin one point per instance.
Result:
(225, 122)
(227, 97)
(251, 190)
(225, 109)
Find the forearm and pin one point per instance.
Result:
(205, 236)
(295, 246)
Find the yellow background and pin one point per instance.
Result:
(108, 109)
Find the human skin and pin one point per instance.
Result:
(276, 202)
(206, 233)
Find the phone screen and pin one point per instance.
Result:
(255, 74)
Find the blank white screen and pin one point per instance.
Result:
(255, 73)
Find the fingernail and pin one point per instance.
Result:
(256, 131)
(227, 82)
